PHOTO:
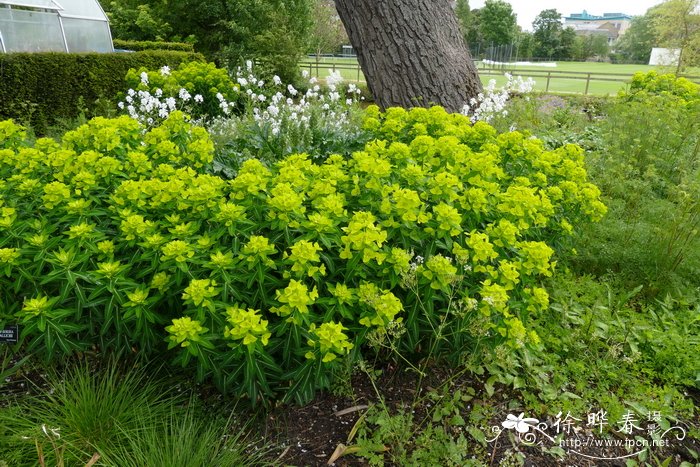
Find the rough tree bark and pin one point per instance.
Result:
(411, 52)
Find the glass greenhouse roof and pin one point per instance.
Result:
(54, 26)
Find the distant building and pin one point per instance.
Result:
(612, 25)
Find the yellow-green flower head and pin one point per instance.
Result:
(177, 250)
(538, 299)
(332, 204)
(220, 260)
(200, 291)
(230, 213)
(342, 293)
(493, 297)
(515, 331)
(508, 274)
(445, 184)
(258, 248)
(29, 185)
(246, 325)
(184, 331)
(38, 240)
(106, 247)
(82, 230)
(362, 235)
(84, 180)
(440, 271)
(135, 226)
(319, 223)
(285, 201)
(330, 340)
(296, 296)
(401, 260)
(137, 297)
(184, 229)
(407, 204)
(65, 257)
(482, 249)
(153, 241)
(55, 193)
(9, 255)
(535, 258)
(160, 281)
(78, 206)
(303, 255)
(503, 233)
(449, 219)
(387, 306)
(109, 269)
(38, 305)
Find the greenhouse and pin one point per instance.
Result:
(54, 26)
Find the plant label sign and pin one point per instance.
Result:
(9, 334)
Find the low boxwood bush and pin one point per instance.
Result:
(430, 241)
(652, 83)
(152, 45)
(40, 89)
(208, 89)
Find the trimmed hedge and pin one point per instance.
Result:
(40, 89)
(152, 45)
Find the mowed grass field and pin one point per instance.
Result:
(565, 77)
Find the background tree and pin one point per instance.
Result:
(677, 25)
(412, 52)
(498, 23)
(274, 32)
(636, 43)
(565, 47)
(327, 31)
(474, 34)
(547, 30)
(591, 45)
(524, 45)
(131, 20)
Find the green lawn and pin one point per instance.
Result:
(598, 85)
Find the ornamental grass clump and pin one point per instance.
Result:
(438, 232)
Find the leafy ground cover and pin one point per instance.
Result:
(600, 346)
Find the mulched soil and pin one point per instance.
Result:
(308, 435)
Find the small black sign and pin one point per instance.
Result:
(9, 334)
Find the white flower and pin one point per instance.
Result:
(291, 90)
(184, 94)
(120, 105)
(198, 98)
(522, 425)
(249, 65)
(144, 77)
(242, 81)
(304, 74)
(334, 78)
(165, 70)
(276, 80)
(261, 98)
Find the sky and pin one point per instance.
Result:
(527, 10)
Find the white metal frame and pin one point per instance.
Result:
(58, 9)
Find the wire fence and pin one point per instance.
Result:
(578, 82)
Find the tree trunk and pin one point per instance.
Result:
(411, 52)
